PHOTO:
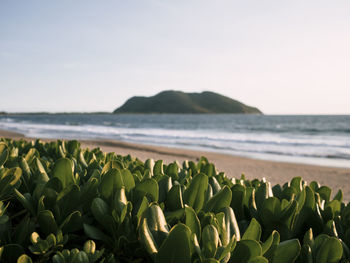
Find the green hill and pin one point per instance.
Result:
(180, 102)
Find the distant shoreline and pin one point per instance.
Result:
(3, 113)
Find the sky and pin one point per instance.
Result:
(284, 57)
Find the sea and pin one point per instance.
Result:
(320, 140)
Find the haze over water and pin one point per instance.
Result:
(321, 140)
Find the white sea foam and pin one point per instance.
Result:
(266, 143)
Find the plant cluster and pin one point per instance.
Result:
(61, 203)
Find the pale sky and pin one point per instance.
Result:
(284, 57)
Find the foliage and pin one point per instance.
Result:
(62, 203)
(171, 101)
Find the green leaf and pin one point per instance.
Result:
(158, 168)
(99, 209)
(245, 250)
(325, 193)
(110, 181)
(271, 249)
(30, 156)
(192, 221)
(195, 193)
(220, 200)
(4, 153)
(172, 171)
(156, 223)
(24, 259)
(81, 257)
(238, 194)
(73, 222)
(26, 203)
(147, 238)
(128, 180)
(339, 196)
(95, 233)
(112, 165)
(253, 231)
(287, 251)
(263, 192)
(149, 188)
(259, 259)
(270, 211)
(331, 251)
(214, 185)
(47, 222)
(231, 223)
(63, 171)
(172, 250)
(174, 198)
(149, 164)
(210, 241)
(89, 247)
(268, 243)
(306, 254)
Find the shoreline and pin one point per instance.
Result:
(274, 171)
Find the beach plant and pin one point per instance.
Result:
(62, 203)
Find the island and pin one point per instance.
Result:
(171, 101)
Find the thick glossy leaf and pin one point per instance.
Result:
(172, 250)
(97, 234)
(325, 193)
(287, 251)
(306, 254)
(220, 200)
(63, 171)
(271, 249)
(270, 211)
(147, 238)
(165, 184)
(210, 241)
(192, 221)
(214, 185)
(263, 192)
(110, 181)
(174, 198)
(331, 251)
(245, 250)
(238, 194)
(148, 188)
(47, 222)
(4, 153)
(100, 209)
(194, 195)
(128, 180)
(158, 168)
(269, 242)
(231, 221)
(24, 201)
(259, 259)
(73, 222)
(80, 257)
(172, 171)
(156, 223)
(24, 259)
(31, 154)
(253, 231)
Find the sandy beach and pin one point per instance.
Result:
(233, 166)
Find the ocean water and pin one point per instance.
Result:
(320, 140)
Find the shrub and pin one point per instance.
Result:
(62, 203)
